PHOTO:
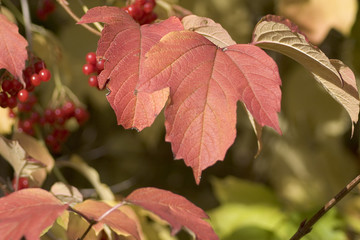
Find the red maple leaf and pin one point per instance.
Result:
(175, 209)
(26, 213)
(123, 45)
(205, 84)
(12, 48)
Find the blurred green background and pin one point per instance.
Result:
(246, 198)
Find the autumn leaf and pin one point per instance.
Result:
(117, 220)
(175, 209)
(12, 48)
(27, 213)
(205, 84)
(280, 35)
(209, 29)
(123, 45)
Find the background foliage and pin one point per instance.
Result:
(246, 198)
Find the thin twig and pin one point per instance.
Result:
(77, 19)
(27, 21)
(306, 226)
(90, 221)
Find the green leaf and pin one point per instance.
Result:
(232, 189)
(239, 221)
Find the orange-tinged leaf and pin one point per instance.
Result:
(175, 209)
(205, 83)
(123, 45)
(27, 213)
(12, 48)
(117, 220)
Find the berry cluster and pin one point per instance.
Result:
(52, 121)
(142, 11)
(45, 9)
(13, 91)
(93, 65)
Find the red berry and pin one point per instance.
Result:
(100, 64)
(135, 11)
(88, 69)
(68, 109)
(12, 114)
(35, 79)
(23, 95)
(17, 86)
(49, 115)
(148, 7)
(28, 72)
(81, 115)
(26, 125)
(91, 58)
(93, 82)
(35, 117)
(12, 102)
(39, 65)
(45, 75)
(22, 183)
(3, 100)
(7, 85)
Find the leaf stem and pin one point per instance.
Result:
(111, 210)
(306, 226)
(27, 21)
(90, 221)
(76, 18)
(85, 9)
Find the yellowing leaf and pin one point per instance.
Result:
(317, 17)
(280, 35)
(77, 226)
(211, 30)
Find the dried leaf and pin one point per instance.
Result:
(66, 193)
(209, 29)
(280, 35)
(26, 213)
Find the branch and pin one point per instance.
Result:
(306, 226)
(76, 18)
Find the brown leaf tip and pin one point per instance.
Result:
(292, 26)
